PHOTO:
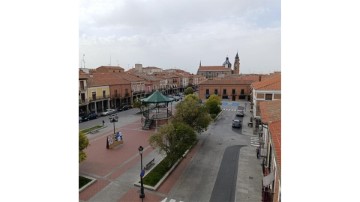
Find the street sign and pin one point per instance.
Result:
(142, 173)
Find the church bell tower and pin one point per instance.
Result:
(237, 64)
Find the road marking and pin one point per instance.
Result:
(254, 141)
(171, 200)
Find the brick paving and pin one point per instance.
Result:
(106, 165)
(133, 195)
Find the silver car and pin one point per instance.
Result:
(108, 112)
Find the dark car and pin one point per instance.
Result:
(236, 123)
(91, 116)
(126, 107)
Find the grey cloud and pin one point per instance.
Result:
(176, 34)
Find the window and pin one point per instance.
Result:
(224, 91)
(82, 86)
(216, 92)
(83, 97)
(104, 94)
(94, 95)
(207, 92)
(233, 91)
(116, 94)
(242, 92)
(268, 97)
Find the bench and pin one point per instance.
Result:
(150, 164)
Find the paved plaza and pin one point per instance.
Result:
(194, 179)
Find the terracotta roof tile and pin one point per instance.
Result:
(106, 79)
(110, 67)
(270, 111)
(275, 131)
(273, 82)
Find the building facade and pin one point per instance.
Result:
(265, 90)
(226, 89)
(211, 72)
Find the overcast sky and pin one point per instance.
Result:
(180, 33)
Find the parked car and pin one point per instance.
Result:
(240, 113)
(126, 107)
(91, 116)
(177, 98)
(108, 112)
(236, 123)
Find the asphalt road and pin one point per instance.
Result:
(199, 178)
(224, 189)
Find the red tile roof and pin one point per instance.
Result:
(275, 132)
(106, 79)
(270, 111)
(110, 68)
(213, 68)
(273, 82)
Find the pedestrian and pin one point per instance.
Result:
(103, 122)
(257, 152)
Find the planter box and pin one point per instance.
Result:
(154, 188)
(93, 180)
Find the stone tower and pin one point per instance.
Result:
(237, 64)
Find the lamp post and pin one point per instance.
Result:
(142, 194)
(113, 119)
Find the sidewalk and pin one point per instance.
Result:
(249, 180)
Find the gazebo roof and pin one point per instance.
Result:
(157, 97)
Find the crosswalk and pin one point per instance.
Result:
(229, 109)
(254, 141)
(170, 200)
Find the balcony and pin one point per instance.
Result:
(116, 96)
(83, 101)
(97, 98)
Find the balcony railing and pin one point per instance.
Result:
(99, 98)
(83, 101)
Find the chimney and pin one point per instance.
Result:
(259, 77)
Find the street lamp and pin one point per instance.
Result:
(113, 119)
(142, 194)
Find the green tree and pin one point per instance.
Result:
(83, 143)
(188, 91)
(193, 113)
(213, 105)
(138, 104)
(174, 139)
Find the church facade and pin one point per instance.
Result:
(211, 72)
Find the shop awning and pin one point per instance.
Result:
(267, 180)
